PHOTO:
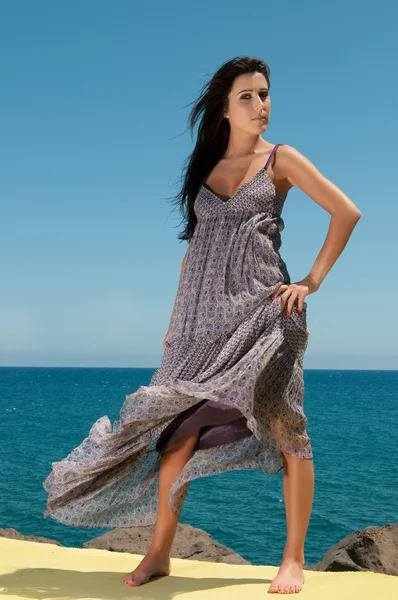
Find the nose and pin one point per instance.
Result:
(259, 108)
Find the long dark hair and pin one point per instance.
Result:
(213, 132)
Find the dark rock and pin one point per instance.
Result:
(189, 542)
(15, 535)
(372, 549)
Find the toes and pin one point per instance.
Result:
(284, 588)
(134, 582)
(130, 579)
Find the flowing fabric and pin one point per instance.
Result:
(232, 367)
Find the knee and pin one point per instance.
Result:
(292, 459)
(185, 444)
(288, 460)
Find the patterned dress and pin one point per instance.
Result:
(232, 366)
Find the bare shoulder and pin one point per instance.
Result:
(281, 178)
(288, 159)
(295, 168)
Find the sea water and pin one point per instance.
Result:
(352, 424)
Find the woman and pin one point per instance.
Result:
(229, 391)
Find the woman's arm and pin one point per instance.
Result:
(301, 172)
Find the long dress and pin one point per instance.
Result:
(232, 366)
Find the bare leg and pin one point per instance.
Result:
(298, 488)
(157, 559)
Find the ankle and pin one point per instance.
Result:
(289, 557)
(161, 551)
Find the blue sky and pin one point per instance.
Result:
(94, 103)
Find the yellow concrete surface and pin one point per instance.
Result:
(35, 570)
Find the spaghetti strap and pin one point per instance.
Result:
(271, 155)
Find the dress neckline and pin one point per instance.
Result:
(261, 171)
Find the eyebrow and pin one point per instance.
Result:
(252, 90)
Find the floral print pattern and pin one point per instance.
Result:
(228, 343)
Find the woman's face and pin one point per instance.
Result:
(249, 99)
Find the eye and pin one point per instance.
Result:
(248, 96)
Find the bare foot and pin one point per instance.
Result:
(290, 578)
(153, 564)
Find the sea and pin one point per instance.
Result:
(352, 423)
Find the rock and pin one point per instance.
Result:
(15, 535)
(189, 542)
(372, 549)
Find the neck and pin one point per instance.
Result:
(243, 144)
